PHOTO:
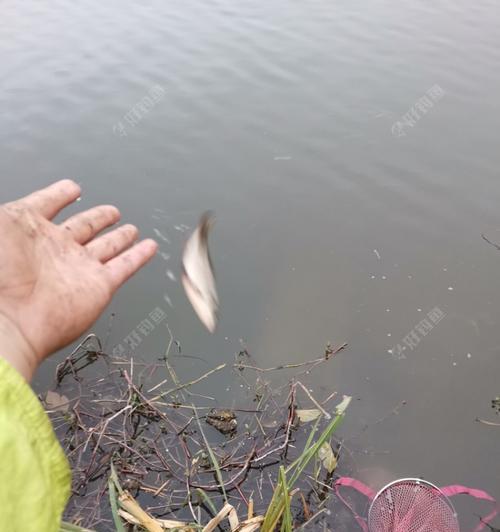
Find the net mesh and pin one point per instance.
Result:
(411, 505)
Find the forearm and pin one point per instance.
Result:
(16, 350)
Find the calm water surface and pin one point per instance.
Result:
(332, 223)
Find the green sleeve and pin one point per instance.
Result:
(34, 473)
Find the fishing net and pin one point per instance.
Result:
(412, 505)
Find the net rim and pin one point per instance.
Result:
(418, 481)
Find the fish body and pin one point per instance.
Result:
(198, 276)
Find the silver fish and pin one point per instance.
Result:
(198, 274)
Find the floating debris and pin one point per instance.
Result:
(56, 402)
(149, 450)
(496, 246)
(495, 404)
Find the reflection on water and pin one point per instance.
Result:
(309, 129)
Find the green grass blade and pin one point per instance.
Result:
(280, 496)
(114, 478)
(114, 506)
(301, 463)
(207, 500)
(212, 456)
(274, 509)
(286, 524)
(312, 433)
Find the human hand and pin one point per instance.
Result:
(56, 279)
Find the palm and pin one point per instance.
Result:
(55, 280)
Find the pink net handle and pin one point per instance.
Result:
(457, 489)
(448, 491)
(359, 487)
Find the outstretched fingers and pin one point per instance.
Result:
(122, 267)
(111, 244)
(85, 225)
(49, 201)
(119, 263)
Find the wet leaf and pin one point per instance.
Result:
(342, 406)
(128, 503)
(307, 415)
(327, 457)
(56, 402)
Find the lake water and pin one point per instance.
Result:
(350, 152)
